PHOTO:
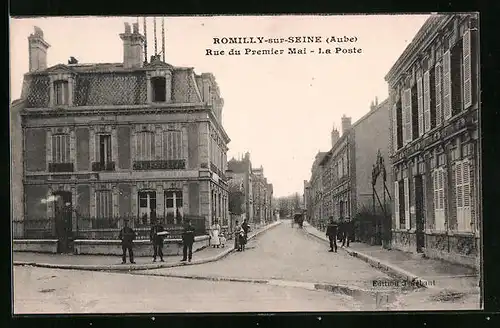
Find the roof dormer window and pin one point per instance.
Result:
(61, 93)
(61, 89)
(159, 89)
(159, 86)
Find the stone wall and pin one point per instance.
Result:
(171, 247)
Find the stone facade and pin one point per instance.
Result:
(340, 184)
(262, 197)
(434, 100)
(241, 171)
(134, 139)
(372, 135)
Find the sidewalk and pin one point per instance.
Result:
(107, 262)
(432, 273)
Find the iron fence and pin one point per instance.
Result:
(35, 228)
(101, 227)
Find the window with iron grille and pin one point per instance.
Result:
(61, 92)
(61, 148)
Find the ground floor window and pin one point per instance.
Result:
(147, 206)
(173, 206)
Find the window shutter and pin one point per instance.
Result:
(395, 127)
(97, 148)
(409, 130)
(467, 71)
(442, 197)
(427, 102)
(459, 195)
(420, 106)
(447, 85)
(407, 203)
(396, 203)
(403, 116)
(439, 97)
(435, 190)
(466, 181)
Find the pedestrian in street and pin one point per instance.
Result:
(214, 234)
(156, 236)
(187, 241)
(340, 230)
(346, 233)
(246, 229)
(236, 232)
(331, 233)
(127, 236)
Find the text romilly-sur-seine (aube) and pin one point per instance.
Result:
(284, 40)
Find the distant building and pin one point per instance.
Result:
(242, 171)
(434, 98)
(341, 179)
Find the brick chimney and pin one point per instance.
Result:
(133, 45)
(37, 50)
(346, 124)
(335, 136)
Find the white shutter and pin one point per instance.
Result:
(420, 107)
(435, 189)
(395, 127)
(466, 187)
(441, 199)
(459, 195)
(438, 72)
(407, 203)
(467, 72)
(447, 85)
(403, 117)
(427, 102)
(409, 129)
(396, 203)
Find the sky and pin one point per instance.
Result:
(280, 108)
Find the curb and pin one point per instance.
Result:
(354, 292)
(385, 267)
(124, 267)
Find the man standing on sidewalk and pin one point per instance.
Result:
(187, 241)
(127, 236)
(331, 233)
(246, 228)
(346, 232)
(156, 237)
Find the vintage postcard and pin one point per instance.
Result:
(246, 163)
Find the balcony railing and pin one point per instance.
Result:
(61, 167)
(99, 166)
(174, 164)
(215, 169)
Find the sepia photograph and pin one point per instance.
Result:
(229, 164)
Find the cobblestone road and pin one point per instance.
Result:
(290, 254)
(40, 290)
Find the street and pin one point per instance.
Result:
(39, 290)
(283, 254)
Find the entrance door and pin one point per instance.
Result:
(419, 213)
(63, 210)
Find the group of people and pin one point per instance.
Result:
(217, 238)
(241, 235)
(341, 232)
(157, 234)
